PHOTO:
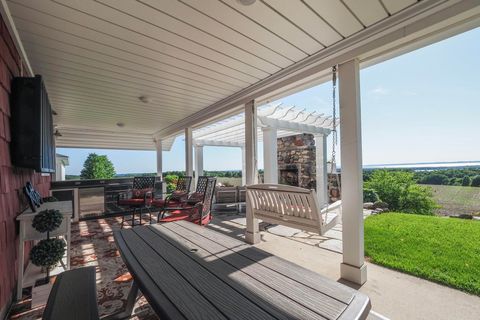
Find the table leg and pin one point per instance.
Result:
(21, 255)
(127, 312)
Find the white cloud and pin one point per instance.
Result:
(380, 91)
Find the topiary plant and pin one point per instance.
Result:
(47, 220)
(47, 253)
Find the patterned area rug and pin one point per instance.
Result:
(93, 245)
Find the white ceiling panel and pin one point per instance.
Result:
(337, 15)
(306, 19)
(99, 57)
(368, 11)
(393, 6)
(262, 14)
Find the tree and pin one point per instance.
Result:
(97, 167)
(476, 181)
(466, 181)
(435, 178)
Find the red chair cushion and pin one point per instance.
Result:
(179, 215)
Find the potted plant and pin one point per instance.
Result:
(47, 253)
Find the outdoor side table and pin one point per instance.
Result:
(28, 233)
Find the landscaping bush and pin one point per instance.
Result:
(369, 195)
(171, 181)
(435, 178)
(466, 181)
(399, 190)
(475, 181)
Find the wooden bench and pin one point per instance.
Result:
(73, 296)
(290, 206)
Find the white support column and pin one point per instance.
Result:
(188, 152)
(198, 162)
(321, 168)
(159, 149)
(353, 267)
(270, 162)
(252, 234)
(158, 146)
(244, 170)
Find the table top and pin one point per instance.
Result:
(65, 208)
(186, 271)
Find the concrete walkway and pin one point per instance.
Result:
(394, 294)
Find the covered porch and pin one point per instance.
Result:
(134, 75)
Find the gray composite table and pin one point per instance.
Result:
(186, 271)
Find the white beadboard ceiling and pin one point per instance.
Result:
(98, 57)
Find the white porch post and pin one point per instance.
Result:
(244, 169)
(321, 168)
(252, 235)
(353, 267)
(198, 162)
(270, 162)
(188, 152)
(158, 146)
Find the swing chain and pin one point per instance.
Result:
(334, 114)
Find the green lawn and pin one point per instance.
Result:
(443, 250)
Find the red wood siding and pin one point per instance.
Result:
(11, 179)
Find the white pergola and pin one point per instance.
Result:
(273, 121)
(132, 74)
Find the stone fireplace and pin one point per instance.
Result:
(297, 164)
(296, 161)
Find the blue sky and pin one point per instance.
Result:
(423, 106)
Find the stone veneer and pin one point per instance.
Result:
(297, 153)
(11, 179)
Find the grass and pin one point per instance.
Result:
(440, 249)
(456, 199)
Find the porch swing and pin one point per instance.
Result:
(296, 207)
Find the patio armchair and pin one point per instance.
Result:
(199, 213)
(178, 196)
(138, 198)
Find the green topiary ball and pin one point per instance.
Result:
(47, 220)
(47, 253)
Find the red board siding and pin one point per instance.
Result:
(11, 179)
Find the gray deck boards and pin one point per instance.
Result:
(191, 272)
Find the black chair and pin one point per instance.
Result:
(200, 212)
(138, 198)
(178, 196)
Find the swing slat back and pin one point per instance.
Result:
(291, 206)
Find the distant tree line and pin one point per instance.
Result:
(452, 177)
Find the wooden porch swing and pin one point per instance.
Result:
(293, 206)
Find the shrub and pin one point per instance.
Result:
(466, 181)
(369, 195)
(47, 253)
(435, 178)
(399, 190)
(475, 181)
(171, 181)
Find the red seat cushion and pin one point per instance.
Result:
(179, 215)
